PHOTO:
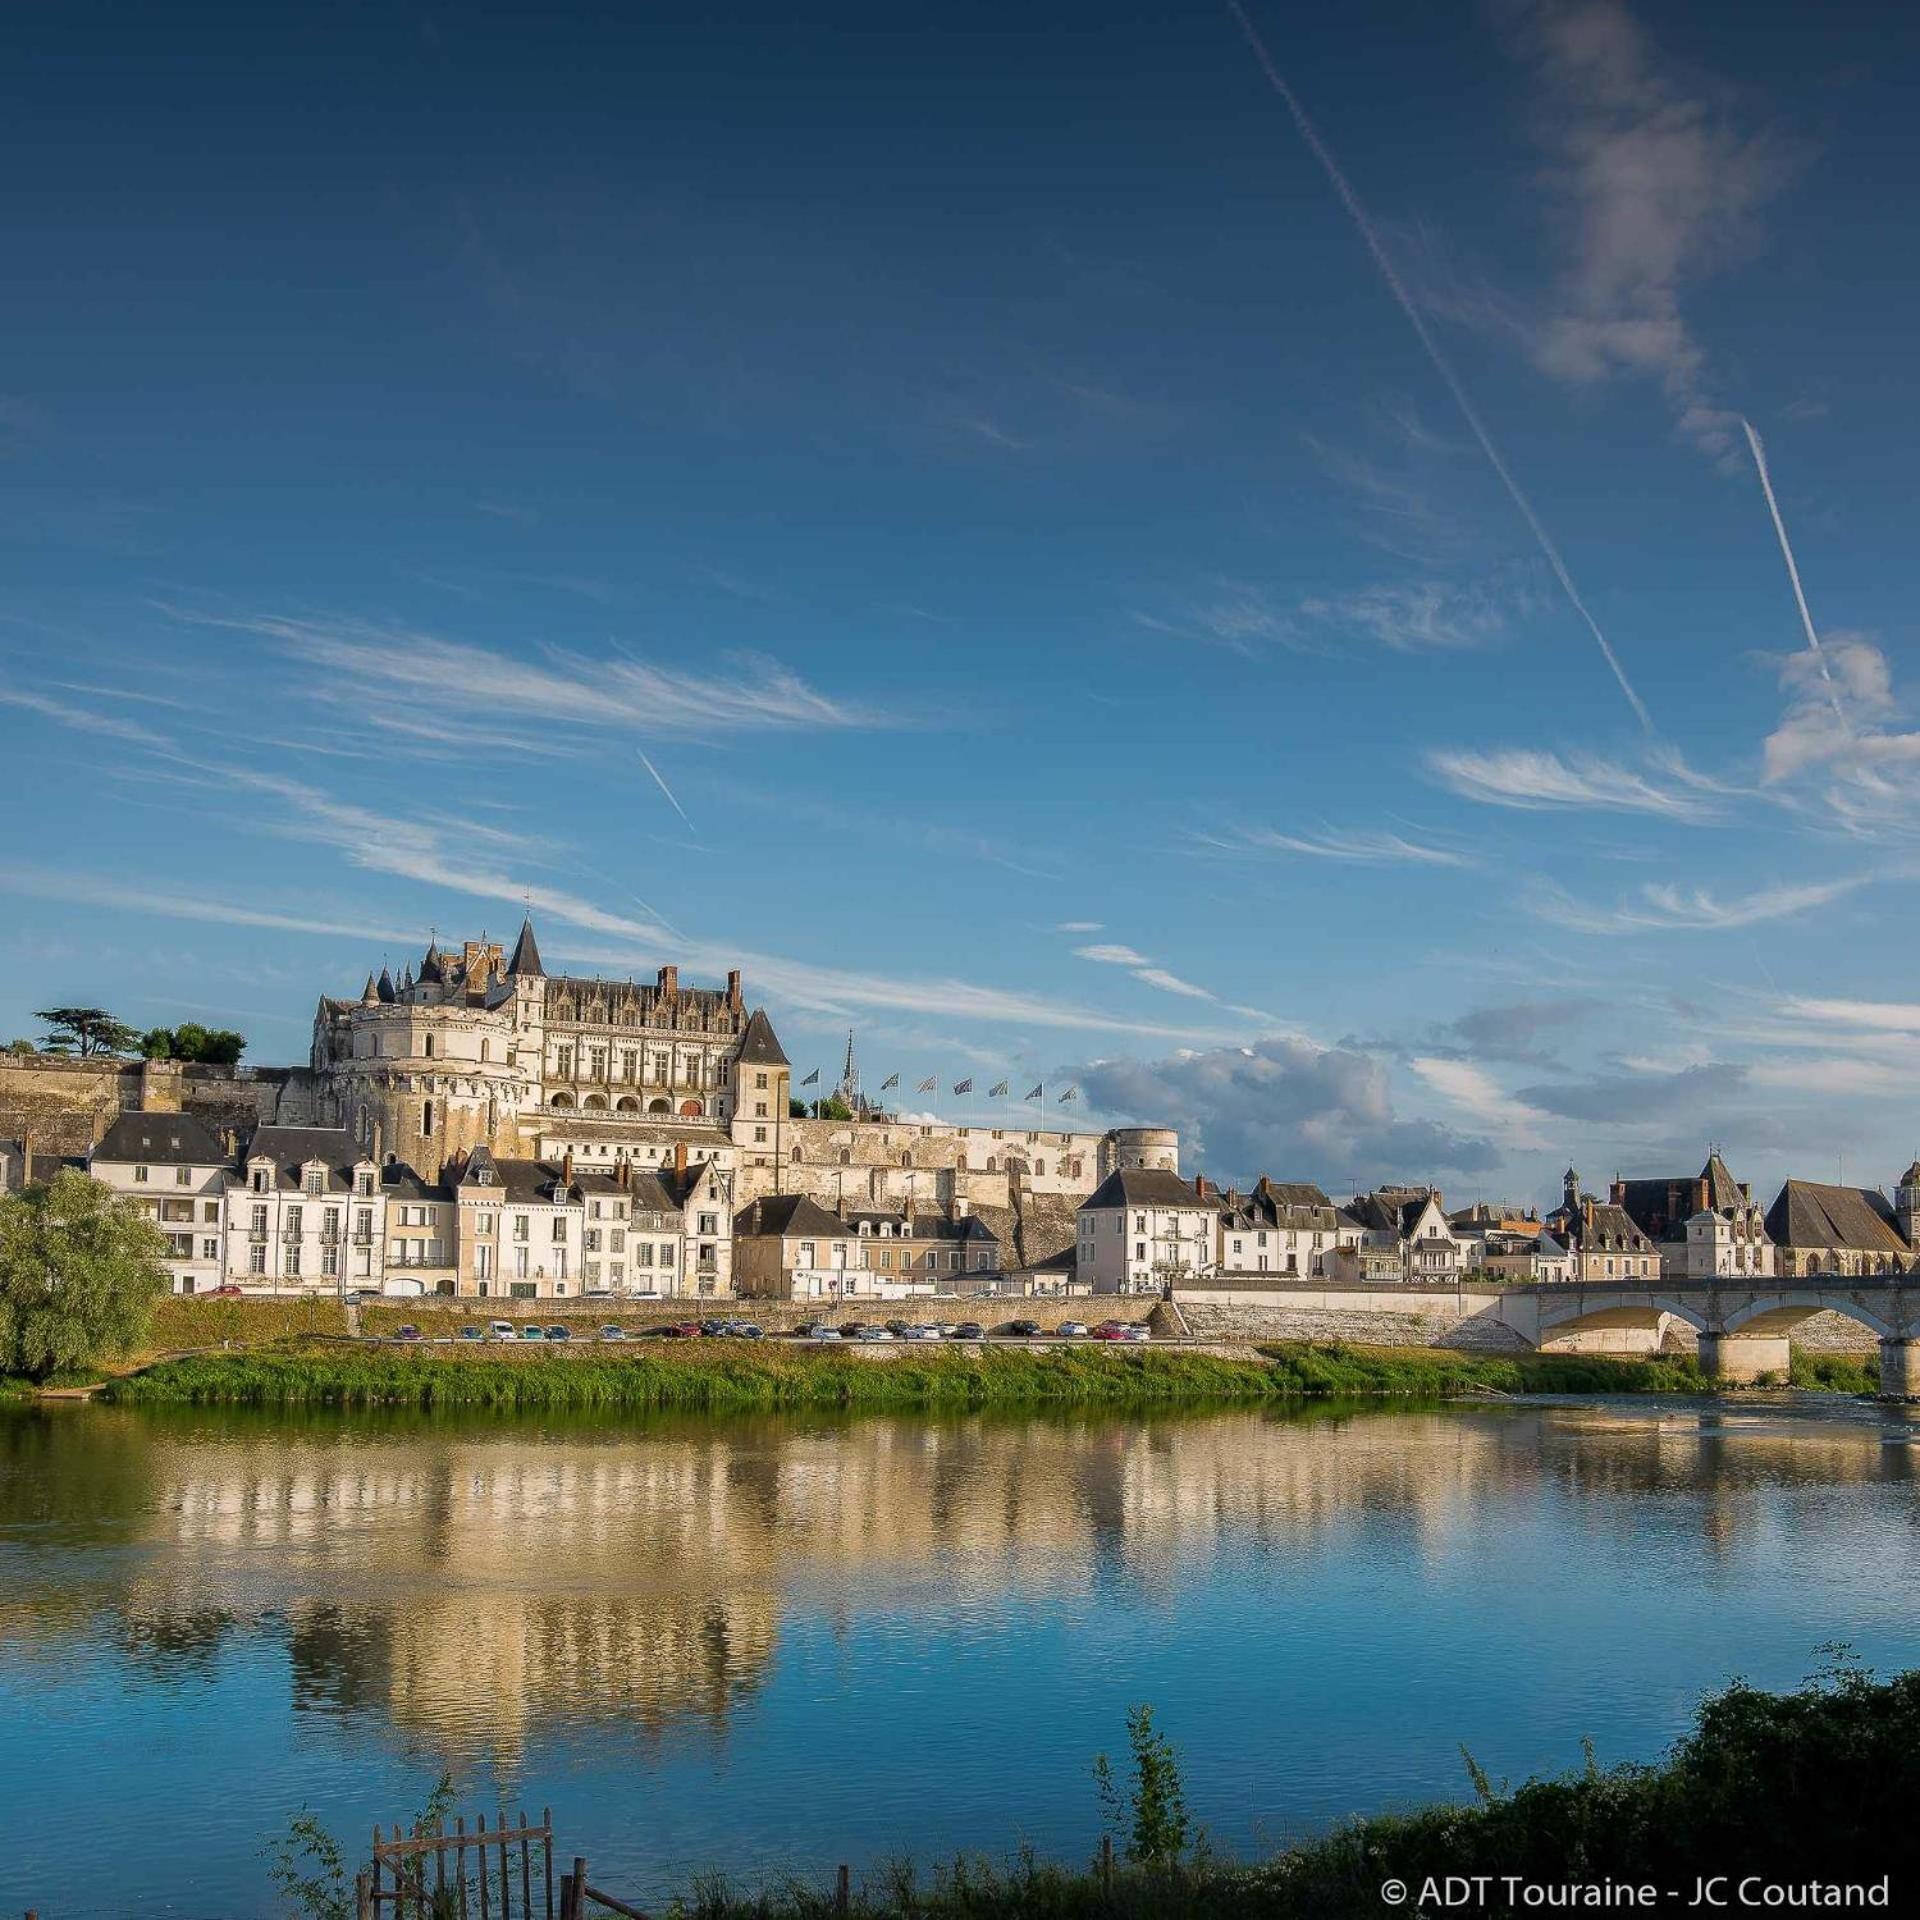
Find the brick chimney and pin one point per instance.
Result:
(670, 981)
(623, 1172)
(1200, 1185)
(566, 1168)
(733, 989)
(679, 1159)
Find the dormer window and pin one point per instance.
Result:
(261, 1179)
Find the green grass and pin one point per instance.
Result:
(725, 1376)
(1837, 1372)
(721, 1376)
(182, 1321)
(1435, 1373)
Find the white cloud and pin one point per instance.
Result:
(1282, 1106)
(1078, 926)
(1658, 188)
(82, 719)
(1475, 1091)
(89, 892)
(1362, 846)
(1423, 615)
(1894, 1016)
(1671, 909)
(1843, 1076)
(361, 661)
(1536, 780)
(1113, 956)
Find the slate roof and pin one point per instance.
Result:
(398, 1181)
(163, 1139)
(291, 1148)
(788, 1215)
(526, 953)
(532, 1182)
(928, 1226)
(1292, 1204)
(758, 1045)
(1146, 1187)
(1807, 1214)
(1375, 1213)
(1601, 1227)
(16, 1174)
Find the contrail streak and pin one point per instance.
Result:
(668, 791)
(1351, 201)
(1793, 572)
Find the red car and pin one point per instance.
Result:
(1110, 1330)
(228, 1292)
(683, 1330)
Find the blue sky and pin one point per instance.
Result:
(947, 510)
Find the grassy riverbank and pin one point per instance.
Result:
(1814, 1785)
(725, 1376)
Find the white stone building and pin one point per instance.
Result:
(1707, 1227)
(175, 1172)
(306, 1210)
(1411, 1224)
(1286, 1230)
(1142, 1229)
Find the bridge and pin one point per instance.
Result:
(1745, 1328)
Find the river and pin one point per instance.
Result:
(781, 1643)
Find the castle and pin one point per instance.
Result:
(482, 1048)
(480, 1055)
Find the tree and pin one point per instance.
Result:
(1153, 1805)
(20, 1049)
(206, 1046)
(796, 1109)
(85, 1031)
(832, 1108)
(80, 1269)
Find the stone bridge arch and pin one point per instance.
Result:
(1648, 1315)
(1779, 1313)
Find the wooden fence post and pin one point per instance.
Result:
(842, 1892)
(362, 1897)
(579, 1888)
(1106, 1863)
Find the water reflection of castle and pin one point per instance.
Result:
(472, 1588)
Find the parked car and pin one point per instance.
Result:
(532, 1333)
(898, 1327)
(852, 1329)
(1136, 1333)
(713, 1328)
(873, 1333)
(408, 1332)
(472, 1333)
(503, 1330)
(1023, 1329)
(1073, 1329)
(227, 1292)
(558, 1332)
(969, 1330)
(680, 1330)
(598, 1293)
(613, 1333)
(746, 1330)
(920, 1333)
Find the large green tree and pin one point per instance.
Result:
(209, 1046)
(80, 1269)
(85, 1030)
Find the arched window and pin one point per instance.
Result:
(846, 1156)
(658, 1106)
(627, 1104)
(796, 1156)
(428, 1046)
(993, 1163)
(906, 1159)
(562, 1103)
(595, 1103)
(426, 1119)
(690, 1109)
(486, 1051)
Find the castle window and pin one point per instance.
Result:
(906, 1159)
(562, 1102)
(427, 1047)
(796, 1156)
(846, 1156)
(486, 1051)
(993, 1163)
(1039, 1166)
(426, 1119)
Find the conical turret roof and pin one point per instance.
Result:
(384, 991)
(526, 953)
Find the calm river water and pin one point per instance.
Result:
(779, 1644)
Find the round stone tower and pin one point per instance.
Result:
(1156, 1149)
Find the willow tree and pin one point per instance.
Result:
(80, 1270)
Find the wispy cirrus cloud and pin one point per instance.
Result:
(123, 897)
(1672, 909)
(1149, 973)
(1358, 846)
(1656, 187)
(82, 719)
(1424, 615)
(362, 660)
(1471, 1088)
(1536, 779)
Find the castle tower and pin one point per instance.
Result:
(762, 1088)
(1906, 1204)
